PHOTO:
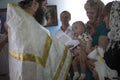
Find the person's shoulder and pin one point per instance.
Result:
(102, 24)
(69, 28)
(58, 32)
(103, 29)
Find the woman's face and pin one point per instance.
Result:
(92, 15)
(106, 20)
(35, 6)
(78, 29)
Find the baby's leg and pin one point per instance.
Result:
(75, 67)
(82, 62)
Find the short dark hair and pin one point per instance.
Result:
(67, 13)
(28, 3)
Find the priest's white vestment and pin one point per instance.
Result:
(34, 54)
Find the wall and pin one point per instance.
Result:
(3, 3)
(75, 7)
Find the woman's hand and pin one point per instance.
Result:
(90, 63)
(76, 51)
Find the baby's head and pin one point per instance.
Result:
(78, 28)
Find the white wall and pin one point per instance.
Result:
(75, 7)
(3, 3)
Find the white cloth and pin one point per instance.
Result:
(100, 66)
(68, 41)
(98, 51)
(114, 33)
(68, 31)
(34, 53)
(104, 71)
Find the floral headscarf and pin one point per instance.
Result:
(114, 33)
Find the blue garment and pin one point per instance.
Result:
(101, 30)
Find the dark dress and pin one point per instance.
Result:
(112, 56)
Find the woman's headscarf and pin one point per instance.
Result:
(114, 33)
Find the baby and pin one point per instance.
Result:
(80, 54)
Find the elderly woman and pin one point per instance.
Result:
(96, 27)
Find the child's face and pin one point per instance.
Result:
(78, 29)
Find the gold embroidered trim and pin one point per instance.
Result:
(30, 57)
(68, 68)
(61, 64)
(42, 61)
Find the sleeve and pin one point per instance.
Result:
(104, 31)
